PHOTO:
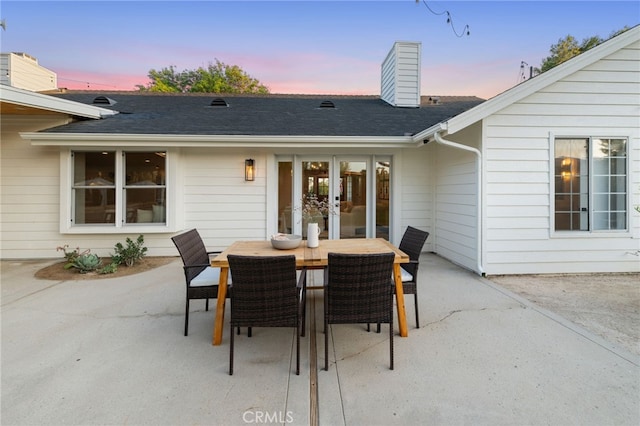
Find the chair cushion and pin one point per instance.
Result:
(210, 276)
(406, 277)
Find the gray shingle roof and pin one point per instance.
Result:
(269, 115)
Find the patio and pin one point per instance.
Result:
(113, 352)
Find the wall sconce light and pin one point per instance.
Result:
(249, 170)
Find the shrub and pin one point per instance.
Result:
(130, 254)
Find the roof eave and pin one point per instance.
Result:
(426, 135)
(219, 141)
(35, 100)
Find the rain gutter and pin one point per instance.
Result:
(44, 138)
(438, 138)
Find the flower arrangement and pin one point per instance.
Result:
(312, 207)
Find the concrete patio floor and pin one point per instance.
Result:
(111, 351)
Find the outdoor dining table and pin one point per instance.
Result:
(312, 258)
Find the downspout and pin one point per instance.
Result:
(478, 154)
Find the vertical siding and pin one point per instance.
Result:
(601, 100)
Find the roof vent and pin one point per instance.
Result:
(103, 100)
(327, 104)
(219, 102)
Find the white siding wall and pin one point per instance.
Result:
(601, 100)
(25, 73)
(4, 65)
(30, 199)
(217, 199)
(212, 197)
(30, 192)
(416, 194)
(456, 185)
(400, 75)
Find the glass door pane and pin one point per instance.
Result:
(285, 192)
(315, 196)
(342, 196)
(382, 199)
(353, 199)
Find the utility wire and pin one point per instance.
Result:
(465, 31)
(6, 73)
(89, 84)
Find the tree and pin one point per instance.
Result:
(217, 77)
(568, 47)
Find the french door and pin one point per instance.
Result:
(341, 194)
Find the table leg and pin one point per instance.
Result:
(402, 316)
(222, 298)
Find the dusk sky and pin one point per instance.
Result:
(310, 47)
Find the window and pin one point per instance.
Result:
(94, 190)
(590, 184)
(103, 196)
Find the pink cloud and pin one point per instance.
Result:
(76, 80)
(312, 73)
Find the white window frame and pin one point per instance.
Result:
(66, 196)
(629, 194)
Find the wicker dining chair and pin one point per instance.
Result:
(201, 278)
(412, 243)
(266, 293)
(358, 290)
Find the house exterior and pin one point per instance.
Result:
(540, 179)
(23, 71)
(554, 195)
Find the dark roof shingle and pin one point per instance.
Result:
(257, 115)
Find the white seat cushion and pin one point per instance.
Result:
(406, 277)
(210, 276)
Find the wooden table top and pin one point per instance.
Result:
(311, 257)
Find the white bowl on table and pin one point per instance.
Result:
(285, 241)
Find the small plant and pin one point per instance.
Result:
(109, 269)
(71, 256)
(130, 254)
(85, 263)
